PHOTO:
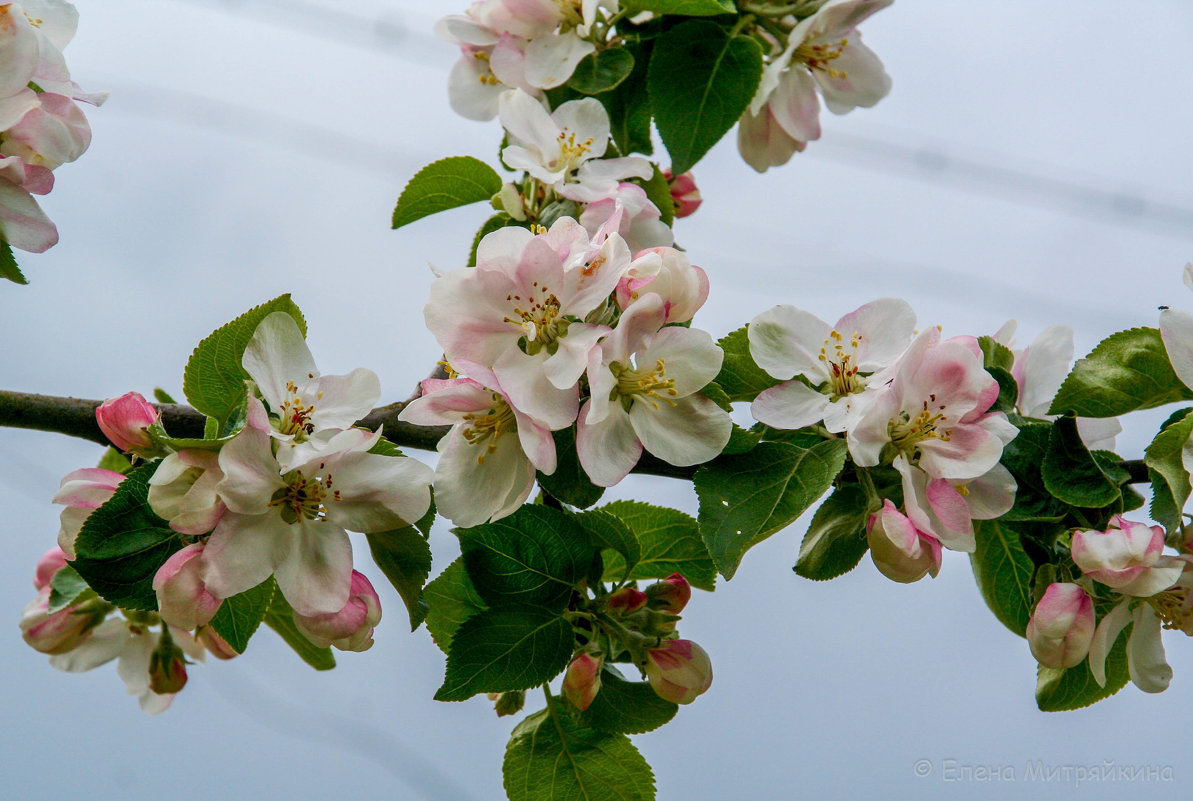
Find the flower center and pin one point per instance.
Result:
(820, 55)
(571, 152)
(539, 318)
(652, 385)
(1174, 607)
(304, 497)
(487, 428)
(843, 377)
(907, 432)
(296, 415)
(486, 77)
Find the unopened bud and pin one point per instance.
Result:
(626, 601)
(50, 563)
(351, 628)
(508, 703)
(670, 595)
(124, 420)
(509, 200)
(216, 645)
(1061, 628)
(582, 681)
(167, 667)
(62, 631)
(684, 193)
(900, 551)
(182, 598)
(679, 671)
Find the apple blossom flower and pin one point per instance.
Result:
(182, 491)
(22, 222)
(82, 492)
(18, 53)
(582, 680)
(679, 671)
(482, 474)
(685, 195)
(1146, 663)
(900, 550)
(50, 134)
(627, 211)
(290, 521)
(349, 629)
(762, 142)
(945, 509)
(665, 271)
(836, 360)
(644, 385)
(1062, 626)
(124, 421)
(1127, 557)
(182, 599)
(520, 313)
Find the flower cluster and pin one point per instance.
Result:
(41, 126)
(920, 406)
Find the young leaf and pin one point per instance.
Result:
(535, 556)
(836, 539)
(552, 756)
(239, 616)
(744, 499)
(670, 543)
(569, 483)
(1164, 460)
(1023, 457)
(740, 377)
(214, 379)
(405, 558)
(66, 588)
(1003, 572)
(511, 648)
(687, 8)
(123, 544)
(700, 82)
(8, 265)
(995, 354)
(626, 707)
(1070, 471)
(1060, 690)
(607, 531)
(1125, 372)
(445, 184)
(451, 599)
(280, 618)
(602, 71)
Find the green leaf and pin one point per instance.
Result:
(67, 587)
(669, 541)
(740, 377)
(1023, 457)
(239, 616)
(161, 396)
(700, 82)
(602, 71)
(836, 539)
(607, 531)
(626, 707)
(451, 599)
(405, 558)
(280, 618)
(687, 8)
(214, 379)
(1163, 458)
(629, 105)
(995, 354)
(115, 461)
(535, 556)
(123, 544)
(1059, 690)
(1125, 372)
(8, 265)
(658, 192)
(744, 499)
(1070, 471)
(158, 434)
(551, 757)
(1003, 572)
(743, 440)
(569, 483)
(1008, 390)
(511, 648)
(445, 184)
(496, 222)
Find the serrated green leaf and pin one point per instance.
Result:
(658, 192)
(1008, 390)
(535, 556)
(496, 222)
(836, 539)
(1071, 473)
(160, 437)
(1023, 457)
(629, 105)
(1003, 573)
(511, 648)
(280, 618)
(123, 544)
(405, 558)
(569, 483)
(742, 440)
(701, 80)
(213, 381)
(602, 71)
(451, 599)
(67, 587)
(740, 377)
(995, 354)
(445, 184)
(115, 461)
(1164, 460)
(669, 541)
(1060, 690)
(1127, 371)
(240, 616)
(626, 707)
(8, 265)
(687, 8)
(552, 757)
(745, 499)
(610, 532)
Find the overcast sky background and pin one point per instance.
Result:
(1030, 163)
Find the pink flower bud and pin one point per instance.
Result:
(351, 628)
(216, 645)
(1128, 557)
(1062, 626)
(900, 551)
(582, 681)
(57, 633)
(684, 193)
(679, 671)
(50, 563)
(167, 668)
(626, 601)
(124, 420)
(82, 492)
(670, 595)
(182, 598)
